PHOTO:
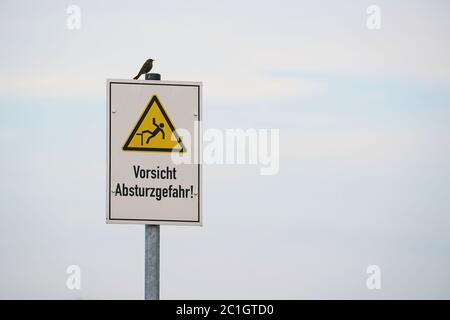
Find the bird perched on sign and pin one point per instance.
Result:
(146, 67)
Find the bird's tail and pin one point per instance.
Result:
(137, 77)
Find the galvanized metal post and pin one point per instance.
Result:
(152, 242)
(152, 238)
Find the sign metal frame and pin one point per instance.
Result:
(198, 86)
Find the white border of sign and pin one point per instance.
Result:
(108, 151)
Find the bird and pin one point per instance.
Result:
(146, 67)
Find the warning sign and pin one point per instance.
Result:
(149, 123)
(154, 131)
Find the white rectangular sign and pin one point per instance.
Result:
(151, 126)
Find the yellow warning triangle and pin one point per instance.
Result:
(154, 131)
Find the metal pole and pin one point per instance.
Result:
(152, 241)
(151, 262)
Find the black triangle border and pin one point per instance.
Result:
(154, 99)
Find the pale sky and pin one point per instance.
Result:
(364, 119)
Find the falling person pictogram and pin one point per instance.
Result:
(158, 129)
